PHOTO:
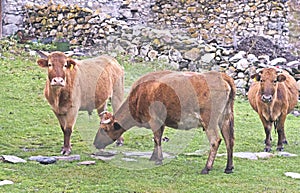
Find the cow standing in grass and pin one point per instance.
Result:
(181, 100)
(273, 95)
(80, 85)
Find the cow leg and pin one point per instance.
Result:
(157, 154)
(214, 141)
(118, 94)
(268, 127)
(281, 133)
(66, 124)
(227, 131)
(66, 150)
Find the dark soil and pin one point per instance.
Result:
(259, 45)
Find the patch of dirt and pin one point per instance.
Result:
(259, 45)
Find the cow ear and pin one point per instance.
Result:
(42, 63)
(71, 63)
(117, 126)
(281, 78)
(255, 77)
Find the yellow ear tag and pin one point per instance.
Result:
(72, 66)
(254, 79)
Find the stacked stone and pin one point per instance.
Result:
(294, 35)
(71, 23)
(225, 21)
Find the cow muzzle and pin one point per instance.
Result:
(58, 81)
(267, 98)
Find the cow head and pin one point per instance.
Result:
(109, 130)
(58, 64)
(268, 78)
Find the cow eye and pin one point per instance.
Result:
(66, 65)
(49, 64)
(274, 81)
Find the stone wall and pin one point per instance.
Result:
(15, 11)
(227, 21)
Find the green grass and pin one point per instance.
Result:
(28, 128)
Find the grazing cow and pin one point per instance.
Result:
(80, 85)
(273, 95)
(181, 100)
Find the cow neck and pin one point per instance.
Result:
(123, 116)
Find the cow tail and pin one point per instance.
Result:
(230, 104)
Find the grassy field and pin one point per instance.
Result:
(28, 128)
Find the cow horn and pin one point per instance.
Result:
(259, 70)
(69, 53)
(106, 121)
(43, 54)
(278, 70)
(103, 112)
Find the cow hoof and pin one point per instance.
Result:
(279, 148)
(267, 149)
(205, 171)
(119, 143)
(65, 151)
(228, 171)
(158, 162)
(285, 142)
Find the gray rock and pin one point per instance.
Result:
(144, 50)
(144, 154)
(103, 158)
(238, 56)
(264, 59)
(175, 55)
(163, 58)
(6, 182)
(240, 83)
(199, 152)
(242, 64)
(246, 155)
(241, 75)
(252, 58)
(208, 58)
(286, 154)
(192, 54)
(264, 155)
(293, 64)
(12, 159)
(173, 65)
(210, 49)
(152, 54)
(129, 160)
(278, 61)
(68, 158)
(292, 175)
(87, 163)
(43, 159)
(13, 19)
(9, 29)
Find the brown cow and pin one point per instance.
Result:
(181, 100)
(273, 95)
(80, 85)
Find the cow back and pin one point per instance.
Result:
(96, 78)
(178, 98)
